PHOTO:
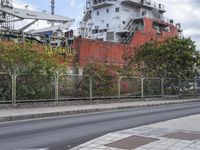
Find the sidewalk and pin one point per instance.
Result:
(13, 114)
(177, 134)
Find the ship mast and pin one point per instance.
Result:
(52, 9)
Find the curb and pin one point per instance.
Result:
(73, 112)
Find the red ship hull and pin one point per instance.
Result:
(89, 51)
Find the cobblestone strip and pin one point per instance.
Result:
(163, 143)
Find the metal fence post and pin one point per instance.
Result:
(56, 87)
(162, 86)
(179, 87)
(14, 77)
(142, 87)
(119, 87)
(195, 83)
(90, 86)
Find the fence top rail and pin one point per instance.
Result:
(75, 75)
(153, 78)
(4, 73)
(34, 74)
(171, 78)
(120, 77)
(124, 77)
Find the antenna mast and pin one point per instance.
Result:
(52, 9)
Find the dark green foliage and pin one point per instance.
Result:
(175, 57)
(35, 87)
(20, 59)
(73, 87)
(5, 87)
(104, 79)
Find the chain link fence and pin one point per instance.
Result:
(19, 88)
(102, 88)
(190, 87)
(73, 87)
(171, 86)
(152, 87)
(37, 87)
(5, 88)
(130, 87)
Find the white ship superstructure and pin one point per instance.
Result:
(112, 20)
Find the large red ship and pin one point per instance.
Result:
(111, 27)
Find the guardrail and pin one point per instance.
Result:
(18, 88)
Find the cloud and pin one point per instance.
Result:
(187, 13)
(72, 3)
(21, 4)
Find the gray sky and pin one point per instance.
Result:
(186, 12)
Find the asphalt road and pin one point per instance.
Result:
(63, 133)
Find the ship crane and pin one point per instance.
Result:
(9, 15)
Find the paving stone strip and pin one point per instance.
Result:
(145, 138)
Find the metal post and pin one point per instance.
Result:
(179, 87)
(90, 85)
(56, 87)
(142, 87)
(119, 87)
(162, 86)
(14, 77)
(195, 83)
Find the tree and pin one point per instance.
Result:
(175, 57)
(34, 70)
(18, 58)
(104, 78)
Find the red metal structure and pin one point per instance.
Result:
(89, 50)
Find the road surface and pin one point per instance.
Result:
(63, 133)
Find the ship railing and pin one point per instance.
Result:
(153, 4)
(97, 2)
(168, 20)
(150, 3)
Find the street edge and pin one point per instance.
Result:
(84, 111)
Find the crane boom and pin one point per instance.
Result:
(9, 15)
(29, 14)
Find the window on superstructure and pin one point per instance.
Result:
(95, 2)
(97, 13)
(107, 25)
(93, 31)
(117, 9)
(105, 30)
(107, 10)
(144, 13)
